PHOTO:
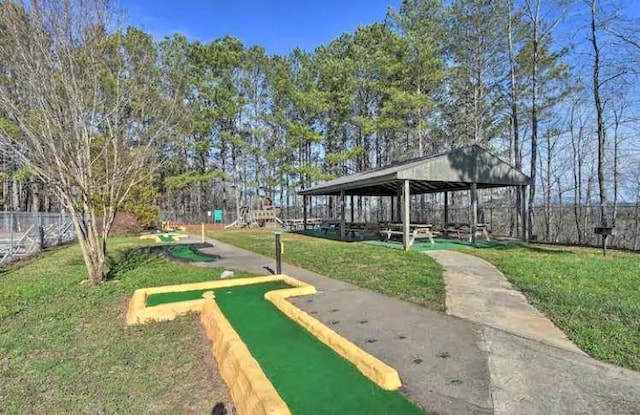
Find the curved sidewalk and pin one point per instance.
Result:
(534, 368)
(478, 291)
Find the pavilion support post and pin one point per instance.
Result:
(392, 210)
(304, 212)
(343, 228)
(351, 205)
(474, 212)
(523, 213)
(406, 214)
(446, 209)
(398, 217)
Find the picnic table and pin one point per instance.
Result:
(462, 229)
(330, 225)
(417, 231)
(356, 229)
(295, 224)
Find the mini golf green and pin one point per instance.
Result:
(166, 238)
(309, 376)
(189, 253)
(450, 244)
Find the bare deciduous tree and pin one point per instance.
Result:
(82, 105)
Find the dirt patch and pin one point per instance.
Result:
(219, 392)
(199, 379)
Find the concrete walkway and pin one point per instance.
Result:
(440, 358)
(478, 291)
(452, 365)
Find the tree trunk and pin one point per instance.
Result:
(576, 145)
(534, 125)
(93, 252)
(515, 133)
(600, 117)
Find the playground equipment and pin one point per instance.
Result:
(265, 216)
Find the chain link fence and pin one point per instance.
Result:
(25, 233)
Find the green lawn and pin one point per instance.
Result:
(594, 300)
(64, 346)
(410, 276)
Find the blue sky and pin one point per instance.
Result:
(278, 26)
(281, 25)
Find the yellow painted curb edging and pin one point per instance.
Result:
(139, 313)
(250, 389)
(370, 366)
(156, 237)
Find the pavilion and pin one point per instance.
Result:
(465, 168)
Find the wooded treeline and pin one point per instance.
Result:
(548, 86)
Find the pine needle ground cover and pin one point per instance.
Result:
(309, 376)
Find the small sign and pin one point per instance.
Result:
(209, 213)
(603, 230)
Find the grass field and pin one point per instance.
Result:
(594, 300)
(64, 346)
(410, 276)
(309, 376)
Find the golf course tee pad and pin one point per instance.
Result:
(276, 358)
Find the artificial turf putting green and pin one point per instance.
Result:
(189, 253)
(450, 244)
(309, 376)
(166, 238)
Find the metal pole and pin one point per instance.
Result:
(40, 232)
(10, 256)
(406, 217)
(278, 253)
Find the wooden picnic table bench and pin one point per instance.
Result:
(417, 231)
(461, 228)
(295, 224)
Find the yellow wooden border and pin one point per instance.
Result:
(139, 313)
(250, 388)
(379, 372)
(156, 236)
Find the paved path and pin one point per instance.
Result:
(440, 358)
(451, 365)
(478, 291)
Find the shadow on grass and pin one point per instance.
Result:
(532, 248)
(127, 260)
(329, 235)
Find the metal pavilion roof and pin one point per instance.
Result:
(452, 170)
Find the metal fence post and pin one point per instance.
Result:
(40, 233)
(10, 236)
